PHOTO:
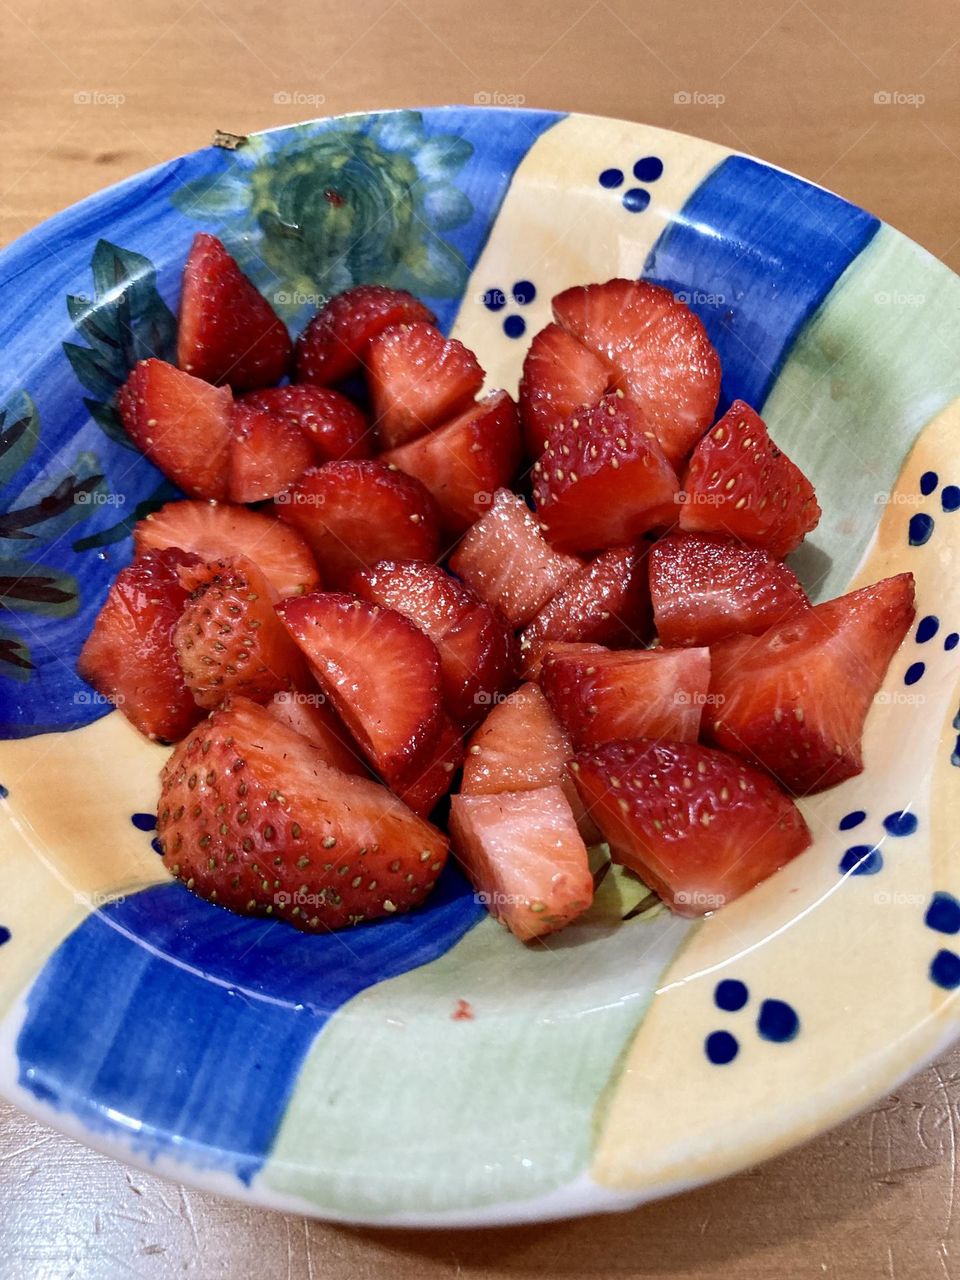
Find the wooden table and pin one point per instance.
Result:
(92, 92)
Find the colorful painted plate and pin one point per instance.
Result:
(430, 1069)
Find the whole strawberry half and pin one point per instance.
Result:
(418, 379)
(335, 342)
(334, 426)
(559, 375)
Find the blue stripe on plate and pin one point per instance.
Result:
(181, 1028)
(756, 251)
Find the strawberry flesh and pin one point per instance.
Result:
(418, 379)
(427, 783)
(268, 453)
(335, 342)
(559, 375)
(308, 712)
(334, 426)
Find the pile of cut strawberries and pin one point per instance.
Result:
(571, 612)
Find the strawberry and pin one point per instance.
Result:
(268, 453)
(129, 655)
(229, 639)
(473, 641)
(521, 746)
(607, 602)
(181, 423)
(739, 483)
(559, 375)
(418, 379)
(507, 561)
(353, 514)
(523, 854)
(214, 531)
(307, 711)
(379, 670)
(706, 588)
(335, 427)
(699, 826)
(426, 784)
(664, 360)
(465, 462)
(334, 343)
(603, 479)
(639, 693)
(252, 817)
(794, 699)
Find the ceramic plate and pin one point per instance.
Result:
(430, 1069)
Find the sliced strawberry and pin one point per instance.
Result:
(603, 479)
(129, 655)
(379, 670)
(524, 856)
(473, 641)
(639, 693)
(706, 588)
(429, 782)
(418, 379)
(699, 826)
(335, 427)
(308, 712)
(559, 375)
(608, 602)
(794, 699)
(664, 359)
(465, 462)
(521, 746)
(509, 563)
(268, 453)
(252, 817)
(181, 423)
(739, 483)
(215, 531)
(334, 343)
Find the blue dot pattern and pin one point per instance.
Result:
(5, 934)
(778, 1021)
(494, 299)
(945, 970)
(636, 199)
(3, 792)
(144, 821)
(903, 823)
(731, 995)
(950, 498)
(914, 672)
(943, 913)
(920, 529)
(514, 326)
(927, 628)
(852, 819)
(861, 860)
(648, 169)
(611, 178)
(928, 482)
(522, 293)
(952, 640)
(721, 1047)
(156, 846)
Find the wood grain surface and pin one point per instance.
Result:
(862, 97)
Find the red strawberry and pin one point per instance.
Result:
(381, 673)
(228, 331)
(427, 783)
(355, 513)
(607, 602)
(707, 588)
(664, 359)
(181, 423)
(603, 480)
(739, 483)
(700, 827)
(334, 343)
(466, 461)
(229, 639)
(559, 375)
(214, 531)
(335, 427)
(509, 563)
(794, 699)
(307, 711)
(252, 817)
(524, 856)
(639, 693)
(268, 453)
(129, 655)
(418, 379)
(473, 641)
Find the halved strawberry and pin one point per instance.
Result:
(664, 360)
(380, 671)
(335, 427)
(473, 641)
(423, 786)
(268, 453)
(524, 856)
(418, 379)
(353, 514)
(252, 817)
(699, 826)
(638, 693)
(334, 343)
(603, 479)
(229, 639)
(214, 531)
(466, 461)
(794, 699)
(308, 712)
(559, 375)
(181, 423)
(509, 563)
(228, 332)
(129, 655)
(607, 602)
(739, 483)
